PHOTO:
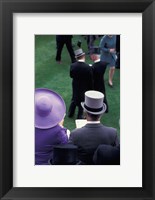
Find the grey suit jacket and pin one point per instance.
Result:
(89, 137)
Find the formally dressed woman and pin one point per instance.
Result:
(108, 54)
(50, 110)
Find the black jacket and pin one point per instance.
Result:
(99, 69)
(82, 76)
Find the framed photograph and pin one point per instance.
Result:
(21, 22)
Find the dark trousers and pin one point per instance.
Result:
(90, 41)
(72, 108)
(60, 44)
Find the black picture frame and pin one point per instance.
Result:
(7, 8)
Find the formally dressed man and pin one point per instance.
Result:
(93, 134)
(61, 40)
(82, 80)
(99, 68)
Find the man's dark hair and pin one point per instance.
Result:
(80, 57)
(94, 117)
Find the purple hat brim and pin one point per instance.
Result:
(58, 109)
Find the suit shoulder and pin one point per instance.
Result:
(84, 64)
(100, 63)
(73, 64)
(87, 65)
(77, 131)
(109, 129)
(74, 135)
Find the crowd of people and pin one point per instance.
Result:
(94, 143)
(84, 146)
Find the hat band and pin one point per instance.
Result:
(93, 109)
(79, 54)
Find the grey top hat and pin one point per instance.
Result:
(78, 53)
(94, 102)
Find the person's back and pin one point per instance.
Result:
(79, 70)
(99, 69)
(108, 54)
(82, 80)
(89, 137)
(44, 141)
(82, 76)
(49, 114)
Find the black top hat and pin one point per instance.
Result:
(95, 50)
(107, 155)
(64, 154)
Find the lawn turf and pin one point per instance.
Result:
(49, 74)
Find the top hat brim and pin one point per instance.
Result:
(95, 113)
(57, 113)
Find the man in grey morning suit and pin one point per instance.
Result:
(89, 137)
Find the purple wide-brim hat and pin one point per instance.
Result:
(50, 108)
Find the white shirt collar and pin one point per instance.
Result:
(81, 61)
(98, 60)
(93, 122)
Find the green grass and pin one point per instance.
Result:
(49, 74)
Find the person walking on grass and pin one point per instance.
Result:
(61, 40)
(82, 80)
(99, 68)
(108, 54)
